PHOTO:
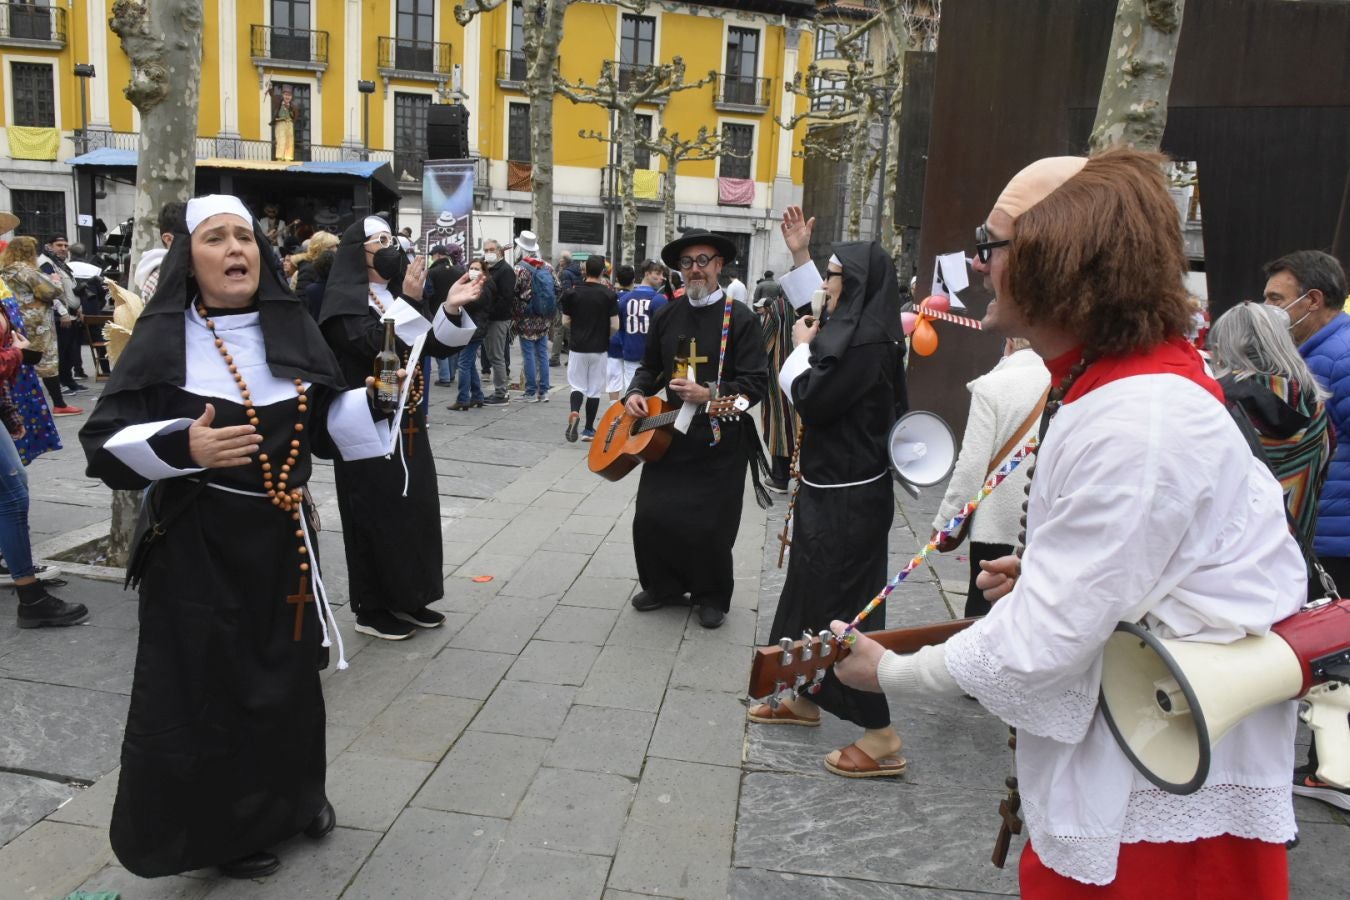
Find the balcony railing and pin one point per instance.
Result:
(742, 92)
(30, 25)
(630, 74)
(289, 44)
(512, 68)
(240, 148)
(429, 57)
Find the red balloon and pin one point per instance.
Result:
(925, 339)
(937, 303)
(907, 322)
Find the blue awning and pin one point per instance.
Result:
(108, 156)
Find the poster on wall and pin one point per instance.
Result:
(447, 207)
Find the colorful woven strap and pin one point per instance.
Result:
(721, 358)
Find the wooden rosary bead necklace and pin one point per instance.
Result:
(287, 499)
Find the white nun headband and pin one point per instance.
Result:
(375, 225)
(199, 209)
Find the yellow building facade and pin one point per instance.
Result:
(312, 56)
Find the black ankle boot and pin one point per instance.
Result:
(255, 865)
(37, 608)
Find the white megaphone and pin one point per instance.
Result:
(1169, 701)
(922, 450)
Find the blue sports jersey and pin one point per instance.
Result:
(636, 308)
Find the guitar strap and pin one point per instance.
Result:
(717, 391)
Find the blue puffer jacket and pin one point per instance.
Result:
(1328, 355)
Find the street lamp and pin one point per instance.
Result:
(366, 88)
(84, 71)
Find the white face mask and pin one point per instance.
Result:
(490, 258)
(1285, 310)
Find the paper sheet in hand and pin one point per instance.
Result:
(414, 361)
(950, 277)
(409, 324)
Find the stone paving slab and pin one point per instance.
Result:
(25, 799)
(428, 853)
(580, 812)
(887, 830)
(61, 730)
(677, 842)
(603, 739)
(532, 873)
(485, 774)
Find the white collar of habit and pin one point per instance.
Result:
(714, 297)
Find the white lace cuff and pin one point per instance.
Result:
(1061, 715)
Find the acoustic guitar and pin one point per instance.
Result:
(623, 440)
(799, 666)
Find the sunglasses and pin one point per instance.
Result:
(702, 260)
(829, 275)
(984, 247)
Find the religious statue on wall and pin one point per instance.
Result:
(285, 113)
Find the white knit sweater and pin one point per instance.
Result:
(1000, 401)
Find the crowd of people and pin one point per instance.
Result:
(1201, 491)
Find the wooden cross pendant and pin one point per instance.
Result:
(300, 598)
(1008, 808)
(409, 429)
(786, 542)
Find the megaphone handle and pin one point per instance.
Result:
(1328, 706)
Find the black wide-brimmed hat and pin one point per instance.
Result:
(671, 253)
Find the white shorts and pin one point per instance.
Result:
(586, 372)
(621, 373)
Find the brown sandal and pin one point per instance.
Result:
(764, 714)
(855, 762)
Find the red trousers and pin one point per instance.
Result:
(1217, 868)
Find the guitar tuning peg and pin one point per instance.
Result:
(826, 642)
(806, 644)
(785, 644)
(798, 683)
(778, 688)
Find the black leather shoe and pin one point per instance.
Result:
(646, 601)
(323, 823)
(255, 865)
(710, 618)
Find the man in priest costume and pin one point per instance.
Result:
(223, 392)
(846, 380)
(390, 505)
(689, 501)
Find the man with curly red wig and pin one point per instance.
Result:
(1146, 505)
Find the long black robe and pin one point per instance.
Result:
(392, 542)
(689, 502)
(223, 753)
(848, 399)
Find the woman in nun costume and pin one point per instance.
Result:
(222, 394)
(846, 381)
(390, 506)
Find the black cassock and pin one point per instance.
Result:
(848, 399)
(689, 501)
(223, 753)
(393, 542)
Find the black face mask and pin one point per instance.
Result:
(388, 262)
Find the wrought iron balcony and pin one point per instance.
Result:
(631, 75)
(512, 68)
(405, 55)
(742, 93)
(289, 45)
(30, 25)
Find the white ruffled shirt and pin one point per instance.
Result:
(1147, 505)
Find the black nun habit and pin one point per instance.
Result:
(390, 506)
(223, 754)
(848, 388)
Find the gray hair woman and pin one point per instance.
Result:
(1261, 372)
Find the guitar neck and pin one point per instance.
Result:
(911, 640)
(657, 421)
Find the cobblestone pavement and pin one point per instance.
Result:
(548, 741)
